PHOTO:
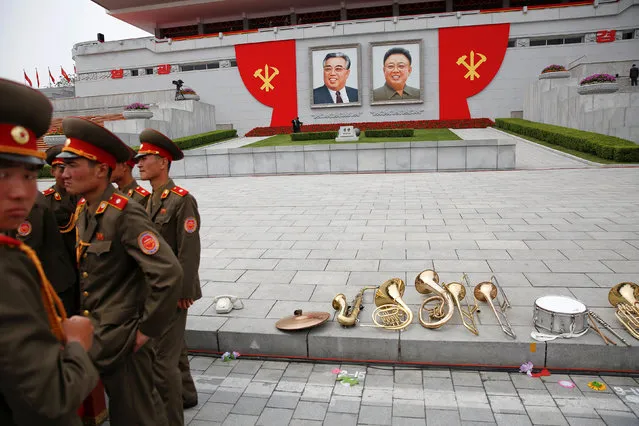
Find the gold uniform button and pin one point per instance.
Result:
(85, 274)
(85, 294)
(85, 313)
(84, 256)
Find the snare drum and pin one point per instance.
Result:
(560, 315)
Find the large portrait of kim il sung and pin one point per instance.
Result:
(396, 70)
(335, 76)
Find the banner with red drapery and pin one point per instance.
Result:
(469, 58)
(37, 77)
(51, 76)
(26, 78)
(164, 69)
(606, 36)
(64, 74)
(268, 71)
(117, 73)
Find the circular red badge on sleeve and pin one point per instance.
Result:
(148, 243)
(190, 224)
(25, 228)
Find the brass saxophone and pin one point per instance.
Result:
(347, 315)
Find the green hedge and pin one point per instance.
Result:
(312, 136)
(390, 133)
(45, 172)
(603, 146)
(189, 142)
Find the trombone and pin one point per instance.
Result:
(458, 292)
(624, 297)
(487, 291)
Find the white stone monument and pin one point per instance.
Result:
(346, 134)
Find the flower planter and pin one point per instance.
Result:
(594, 88)
(137, 113)
(554, 74)
(52, 140)
(191, 97)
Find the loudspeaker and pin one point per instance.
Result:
(101, 37)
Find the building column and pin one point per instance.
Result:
(293, 17)
(449, 5)
(158, 33)
(505, 3)
(245, 24)
(395, 8)
(200, 28)
(343, 14)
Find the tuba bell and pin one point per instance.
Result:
(347, 315)
(625, 297)
(427, 282)
(391, 312)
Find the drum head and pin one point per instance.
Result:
(561, 304)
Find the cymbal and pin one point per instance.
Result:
(300, 320)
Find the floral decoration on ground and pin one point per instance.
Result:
(598, 78)
(553, 68)
(136, 106)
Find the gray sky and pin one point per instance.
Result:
(41, 33)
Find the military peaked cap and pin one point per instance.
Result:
(92, 141)
(52, 153)
(131, 162)
(25, 115)
(154, 142)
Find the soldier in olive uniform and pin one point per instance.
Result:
(40, 232)
(123, 177)
(45, 370)
(130, 279)
(176, 217)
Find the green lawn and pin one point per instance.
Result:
(421, 135)
(582, 155)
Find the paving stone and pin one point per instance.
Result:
(494, 376)
(442, 417)
(227, 395)
(214, 411)
(440, 400)
(372, 415)
(407, 421)
(200, 362)
(500, 388)
(299, 422)
(618, 418)
(378, 397)
(290, 385)
(408, 408)
(239, 420)
(274, 417)
(268, 375)
(247, 366)
(512, 420)
(192, 423)
(582, 383)
(283, 400)
(259, 389)
(408, 376)
(506, 404)
(476, 413)
(546, 415)
(580, 421)
(298, 370)
(466, 378)
(345, 404)
(323, 378)
(317, 393)
(310, 410)
(536, 397)
(404, 391)
(275, 365)
(606, 402)
(341, 419)
(576, 407)
(249, 405)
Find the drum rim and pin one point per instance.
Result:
(579, 303)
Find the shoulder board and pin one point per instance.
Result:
(165, 194)
(179, 191)
(48, 192)
(118, 201)
(8, 241)
(143, 192)
(82, 201)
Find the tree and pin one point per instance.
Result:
(62, 82)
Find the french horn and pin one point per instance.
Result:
(624, 296)
(391, 312)
(487, 291)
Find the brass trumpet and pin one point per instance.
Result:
(624, 296)
(447, 296)
(486, 291)
(391, 312)
(347, 315)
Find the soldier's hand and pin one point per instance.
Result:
(185, 303)
(140, 340)
(79, 329)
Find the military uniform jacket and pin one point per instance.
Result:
(175, 215)
(63, 206)
(40, 232)
(129, 278)
(41, 382)
(136, 193)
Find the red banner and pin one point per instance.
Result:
(469, 58)
(64, 74)
(606, 36)
(164, 69)
(268, 71)
(117, 73)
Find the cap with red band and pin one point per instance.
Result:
(91, 141)
(25, 115)
(52, 154)
(154, 142)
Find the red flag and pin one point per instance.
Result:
(117, 73)
(269, 73)
(51, 76)
(74, 70)
(469, 58)
(26, 77)
(606, 36)
(37, 77)
(164, 69)
(64, 74)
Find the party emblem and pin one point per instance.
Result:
(148, 243)
(190, 224)
(25, 228)
(20, 135)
